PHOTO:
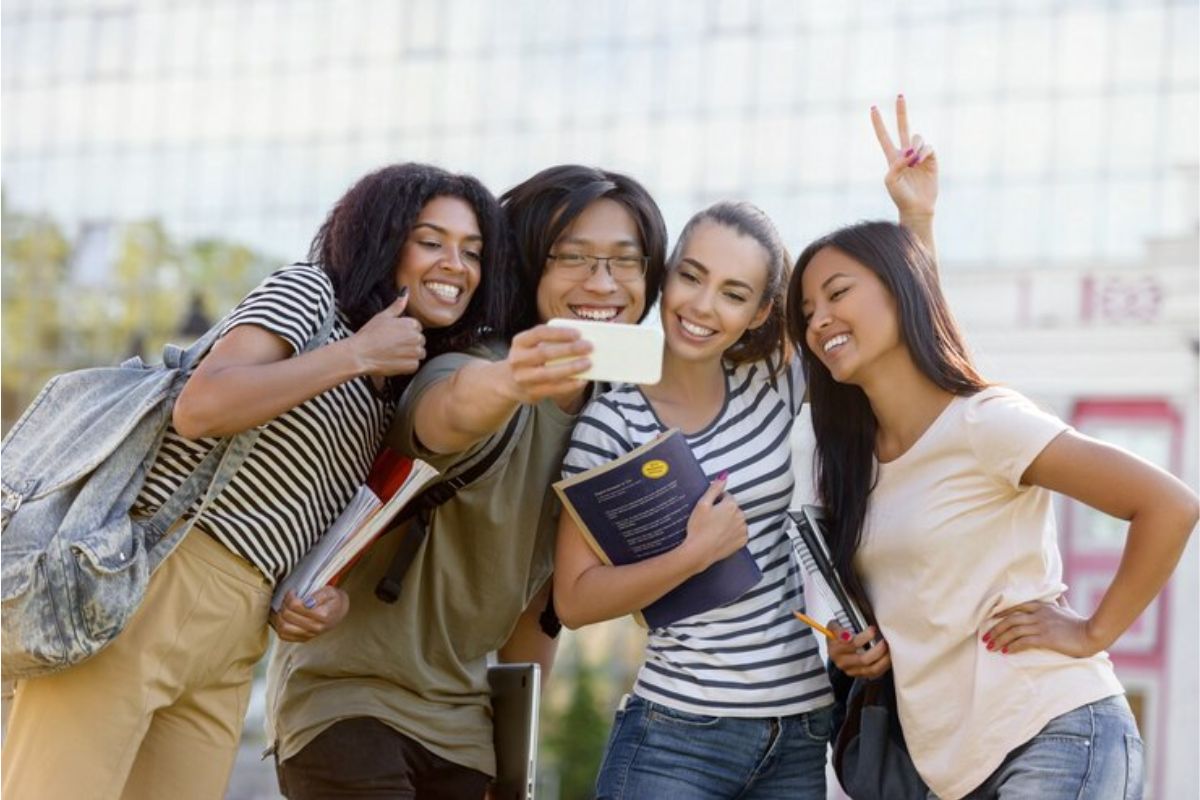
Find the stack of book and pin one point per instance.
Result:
(394, 481)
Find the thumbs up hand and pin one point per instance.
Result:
(390, 343)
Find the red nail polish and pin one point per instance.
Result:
(845, 636)
(908, 153)
(1004, 650)
(991, 645)
(987, 637)
(913, 161)
(723, 476)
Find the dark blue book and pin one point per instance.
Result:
(637, 506)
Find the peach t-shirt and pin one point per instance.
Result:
(951, 539)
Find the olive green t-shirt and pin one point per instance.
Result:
(419, 665)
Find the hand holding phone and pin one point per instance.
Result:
(621, 353)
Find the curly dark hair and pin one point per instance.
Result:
(541, 208)
(360, 242)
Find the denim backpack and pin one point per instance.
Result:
(74, 564)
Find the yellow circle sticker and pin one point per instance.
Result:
(655, 469)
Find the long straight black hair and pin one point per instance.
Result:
(843, 421)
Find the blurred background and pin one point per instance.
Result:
(160, 157)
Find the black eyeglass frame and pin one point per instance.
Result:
(592, 263)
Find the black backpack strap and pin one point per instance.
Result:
(422, 506)
(548, 620)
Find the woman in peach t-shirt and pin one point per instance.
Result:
(940, 488)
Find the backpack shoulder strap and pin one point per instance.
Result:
(188, 358)
(423, 505)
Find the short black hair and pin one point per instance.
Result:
(542, 207)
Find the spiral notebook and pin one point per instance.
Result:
(808, 531)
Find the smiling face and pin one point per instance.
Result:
(851, 321)
(714, 293)
(440, 262)
(604, 228)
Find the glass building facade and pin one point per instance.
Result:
(1067, 131)
(1065, 128)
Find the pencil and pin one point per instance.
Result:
(812, 623)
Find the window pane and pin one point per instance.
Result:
(1078, 134)
(1139, 49)
(1029, 52)
(1081, 45)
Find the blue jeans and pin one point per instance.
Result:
(1091, 753)
(660, 753)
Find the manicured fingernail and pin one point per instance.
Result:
(908, 153)
(309, 602)
(991, 645)
(900, 96)
(403, 291)
(723, 476)
(912, 162)
(987, 637)
(845, 636)
(1004, 650)
(874, 108)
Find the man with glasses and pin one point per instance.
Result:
(394, 701)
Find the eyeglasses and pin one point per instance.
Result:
(580, 267)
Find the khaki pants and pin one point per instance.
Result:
(158, 713)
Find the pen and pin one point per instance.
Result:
(812, 623)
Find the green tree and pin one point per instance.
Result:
(577, 739)
(139, 286)
(35, 256)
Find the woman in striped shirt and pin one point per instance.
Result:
(732, 702)
(409, 248)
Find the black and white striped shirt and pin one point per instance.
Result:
(750, 658)
(307, 462)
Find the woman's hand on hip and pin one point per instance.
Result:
(1041, 625)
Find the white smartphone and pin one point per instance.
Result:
(621, 353)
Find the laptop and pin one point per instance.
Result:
(516, 691)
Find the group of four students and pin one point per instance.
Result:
(938, 484)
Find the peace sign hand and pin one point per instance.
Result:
(912, 176)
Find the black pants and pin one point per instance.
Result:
(362, 757)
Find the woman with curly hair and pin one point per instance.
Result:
(404, 265)
(394, 701)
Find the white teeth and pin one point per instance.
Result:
(445, 290)
(597, 314)
(695, 330)
(836, 341)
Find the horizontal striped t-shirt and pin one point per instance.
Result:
(751, 657)
(307, 462)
